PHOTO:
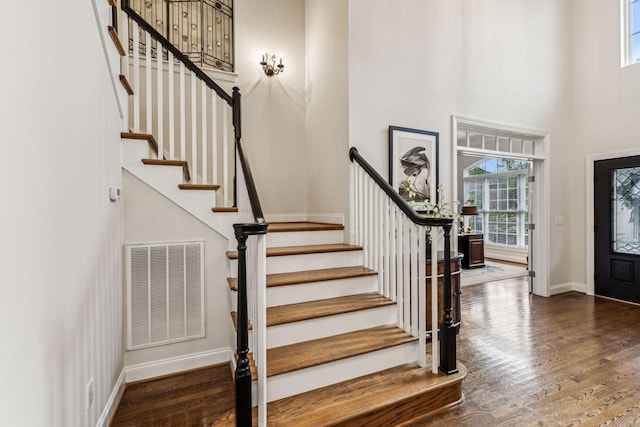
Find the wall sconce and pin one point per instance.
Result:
(269, 65)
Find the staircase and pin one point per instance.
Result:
(341, 330)
(335, 355)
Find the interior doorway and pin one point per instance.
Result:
(516, 228)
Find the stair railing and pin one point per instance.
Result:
(193, 126)
(179, 104)
(394, 239)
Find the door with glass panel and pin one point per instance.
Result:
(617, 228)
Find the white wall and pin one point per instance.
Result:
(605, 104)
(273, 109)
(151, 218)
(61, 305)
(327, 114)
(418, 62)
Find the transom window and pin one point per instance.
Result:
(499, 188)
(631, 32)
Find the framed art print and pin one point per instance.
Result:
(413, 165)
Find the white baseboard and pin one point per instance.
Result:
(567, 287)
(158, 368)
(333, 218)
(114, 400)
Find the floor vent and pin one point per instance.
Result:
(165, 293)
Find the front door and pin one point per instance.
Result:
(617, 228)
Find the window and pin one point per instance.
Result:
(631, 32)
(499, 188)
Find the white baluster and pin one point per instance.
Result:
(435, 353)
(172, 113)
(422, 298)
(405, 270)
(183, 115)
(414, 280)
(194, 132)
(148, 90)
(214, 137)
(136, 77)
(159, 103)
(203, 101)
(225, 156)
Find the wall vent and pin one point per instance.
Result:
(165, 293)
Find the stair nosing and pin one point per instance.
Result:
(305, 250)
(314, 226)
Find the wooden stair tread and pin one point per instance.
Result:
(143, 136)
(402, 393)
(125, 84)
(189, 186)
(304, 250)
(113, 33)
(297, 277)
(290, 313)
(306, 354)
(224, 209)
(162, 162)
(279, 227)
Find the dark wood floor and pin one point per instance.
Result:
(562, 361)
(567, 360)
(202, 397)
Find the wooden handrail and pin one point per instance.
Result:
(394, 196)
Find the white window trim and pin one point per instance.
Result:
(626, 46)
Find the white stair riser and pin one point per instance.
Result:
(292, 294)
(281, 386)
(306, 330)
(298, 238)
(289, 263)
(133, 150)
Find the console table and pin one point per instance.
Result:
(472, 247)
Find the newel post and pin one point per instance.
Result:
(243, 371)
(447, 327)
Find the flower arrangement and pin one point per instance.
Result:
(443, 209)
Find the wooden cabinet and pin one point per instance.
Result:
(472, 247)
(455, 288)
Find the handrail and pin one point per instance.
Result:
(252, 192)
(176, 52)
(394, 196)
(447, 332)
